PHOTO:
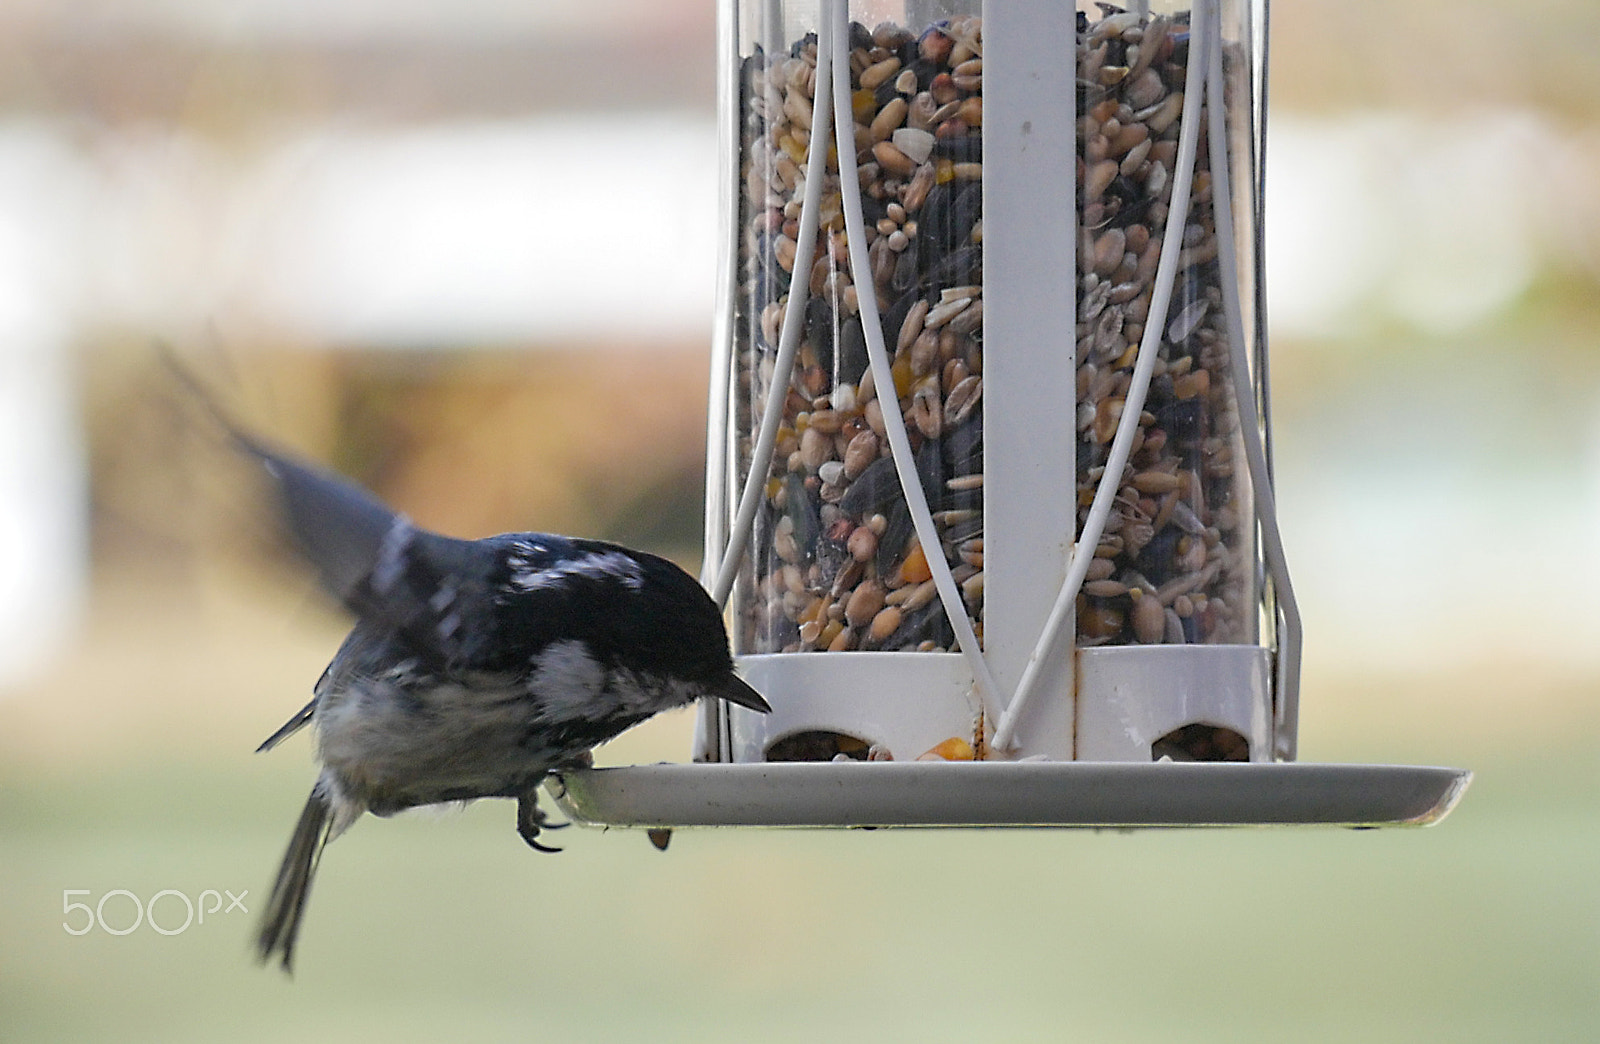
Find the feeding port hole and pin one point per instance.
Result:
(818, 745)
(1201, 743)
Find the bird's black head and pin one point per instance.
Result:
(631, 608)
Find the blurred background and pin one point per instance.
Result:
(465, 253)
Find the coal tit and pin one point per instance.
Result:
(476, 667)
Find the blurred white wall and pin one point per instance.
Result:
(362, 20)
(595, 228)
(43, 487)
(1437, 223)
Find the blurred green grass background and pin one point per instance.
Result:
(430, 927)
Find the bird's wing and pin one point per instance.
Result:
(345, 532)
(348, 535)
(421, 586)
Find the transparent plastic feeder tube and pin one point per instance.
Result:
(976, 406)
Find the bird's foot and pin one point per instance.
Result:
(531, 821)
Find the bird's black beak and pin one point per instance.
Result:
(736, 691)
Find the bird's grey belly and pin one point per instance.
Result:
(448, 743)
(393, 747)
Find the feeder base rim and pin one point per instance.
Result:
(1115, 795)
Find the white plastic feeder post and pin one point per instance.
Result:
(1029, 317)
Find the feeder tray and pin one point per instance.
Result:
(1010, 794)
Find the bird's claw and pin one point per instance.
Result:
(531, 821)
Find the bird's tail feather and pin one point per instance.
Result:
(290, 727)
(280, 924)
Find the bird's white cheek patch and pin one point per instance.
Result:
(567, 680)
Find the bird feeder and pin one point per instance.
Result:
(989, 467)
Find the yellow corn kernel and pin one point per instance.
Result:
(914, 570)
(902, 376)
(953, 749)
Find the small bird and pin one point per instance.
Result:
(476, 667)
